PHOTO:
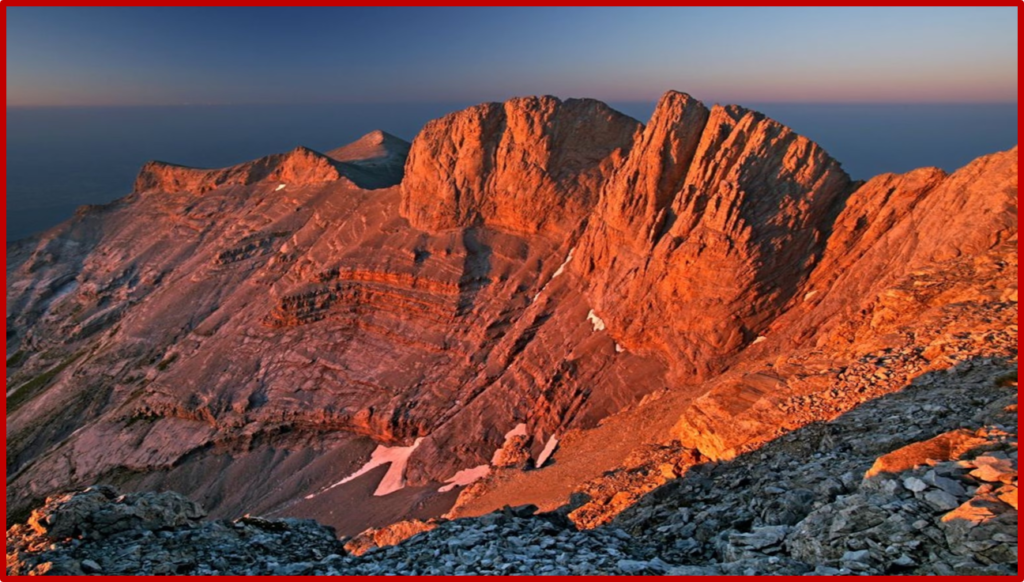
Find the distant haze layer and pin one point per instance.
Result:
(61, 158)
(204, 55)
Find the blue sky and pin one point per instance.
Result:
(173, 56)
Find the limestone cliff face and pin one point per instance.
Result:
(529, 165)
(634, 204)
(906, 249)
(706, 232)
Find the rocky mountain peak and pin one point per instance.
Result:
(531, 164)
(299, 167)
(724, 194)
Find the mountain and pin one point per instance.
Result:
(532, 299)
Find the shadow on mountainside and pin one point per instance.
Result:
(941, 497)
(941, 500)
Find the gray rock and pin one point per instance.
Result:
(90, 566)
(941, 500)
(695, 571)
(946, 484)
(915, 484)
(632, 566)
(761, 537)
(862, 556)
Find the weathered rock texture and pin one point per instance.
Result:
(707, 231)
(299, 166)
(644, 298)
(529, 165)
(101, 532)
(921, 482)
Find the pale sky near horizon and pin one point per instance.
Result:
(178, 56)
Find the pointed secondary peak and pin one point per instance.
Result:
(381, 137)
(376, 146)
(375, 137)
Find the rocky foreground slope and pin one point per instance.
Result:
(920, 482)
(533, 301)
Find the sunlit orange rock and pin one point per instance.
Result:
(532, 164)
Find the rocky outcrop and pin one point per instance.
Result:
(104, 511)
(390, 535)
(814, 501)
(299, 167)
(530, 165)
(101, 532)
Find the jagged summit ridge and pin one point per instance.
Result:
(697, 191)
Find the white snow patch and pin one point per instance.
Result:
(280, 187)
(393, 480)
(597, 321)
(619, 349)
(561, 269)
(466, 477)
(549, 449)
(759, 339)
(519, 430)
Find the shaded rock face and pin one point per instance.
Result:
(100, 531)
(922, 481)
(103, 511)
(546, 263)
(529, 165)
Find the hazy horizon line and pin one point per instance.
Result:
(474, 101)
